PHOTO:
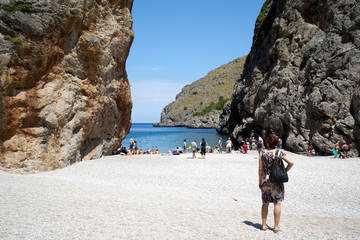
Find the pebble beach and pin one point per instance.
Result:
(177, 197)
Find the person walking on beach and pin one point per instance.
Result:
(228, 145)
(245, 148)
(185, 148)
(253, 144)
(260, 146)
(193, 148)
(345, 149)
(132, 145)
(271, 192)
(337, 147)
(220, 145)
(203, 145)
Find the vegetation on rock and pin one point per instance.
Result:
(204, 99)
(18, 6)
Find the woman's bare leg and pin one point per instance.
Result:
(264, 213)
(277, 213)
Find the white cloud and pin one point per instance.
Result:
(156, 68)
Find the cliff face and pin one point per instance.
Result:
(302, 76)
(199, 104)
(65, 95)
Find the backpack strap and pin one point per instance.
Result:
(277, 153)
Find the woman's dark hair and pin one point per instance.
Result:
(203, 139)
(272, 141)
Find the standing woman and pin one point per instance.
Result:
(203, 145)
(271, 192)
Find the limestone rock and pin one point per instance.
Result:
(199, 104)
(65, 96)
(302, 77)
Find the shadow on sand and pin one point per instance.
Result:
(255, 225)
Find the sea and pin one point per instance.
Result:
(168, 138)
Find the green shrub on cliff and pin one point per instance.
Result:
(18, 6)
(16, 40)
(206, 110)
(261, 15)
(220, 104)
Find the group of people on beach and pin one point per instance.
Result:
(337, 150)
(229, 147)
(341, 152)
(134, 150)
(203, 148)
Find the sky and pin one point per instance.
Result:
(178, 42)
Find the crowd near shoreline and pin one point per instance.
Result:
(254, 143)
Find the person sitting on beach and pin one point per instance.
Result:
(123, 151)
(135, 147)
(203, 145)
(157, 151)
(313, 153)
(176, 151)
(345, 149)
(241, 149)
(337, 146)
(271, 192)
(193, 148)
(141, 152)
(310, 149)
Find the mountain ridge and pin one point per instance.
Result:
(200, 103)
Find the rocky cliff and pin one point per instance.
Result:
(64, 96)
(302, 76)
(199, 104)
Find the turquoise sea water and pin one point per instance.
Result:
(167, 138)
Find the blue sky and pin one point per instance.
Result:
(177, 42)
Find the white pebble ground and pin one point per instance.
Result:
(177, 197)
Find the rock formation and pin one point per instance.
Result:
(199, 104)
(65, 96)
(302, 77)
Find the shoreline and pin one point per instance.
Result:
(177, 197)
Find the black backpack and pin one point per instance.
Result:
(278, 171)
